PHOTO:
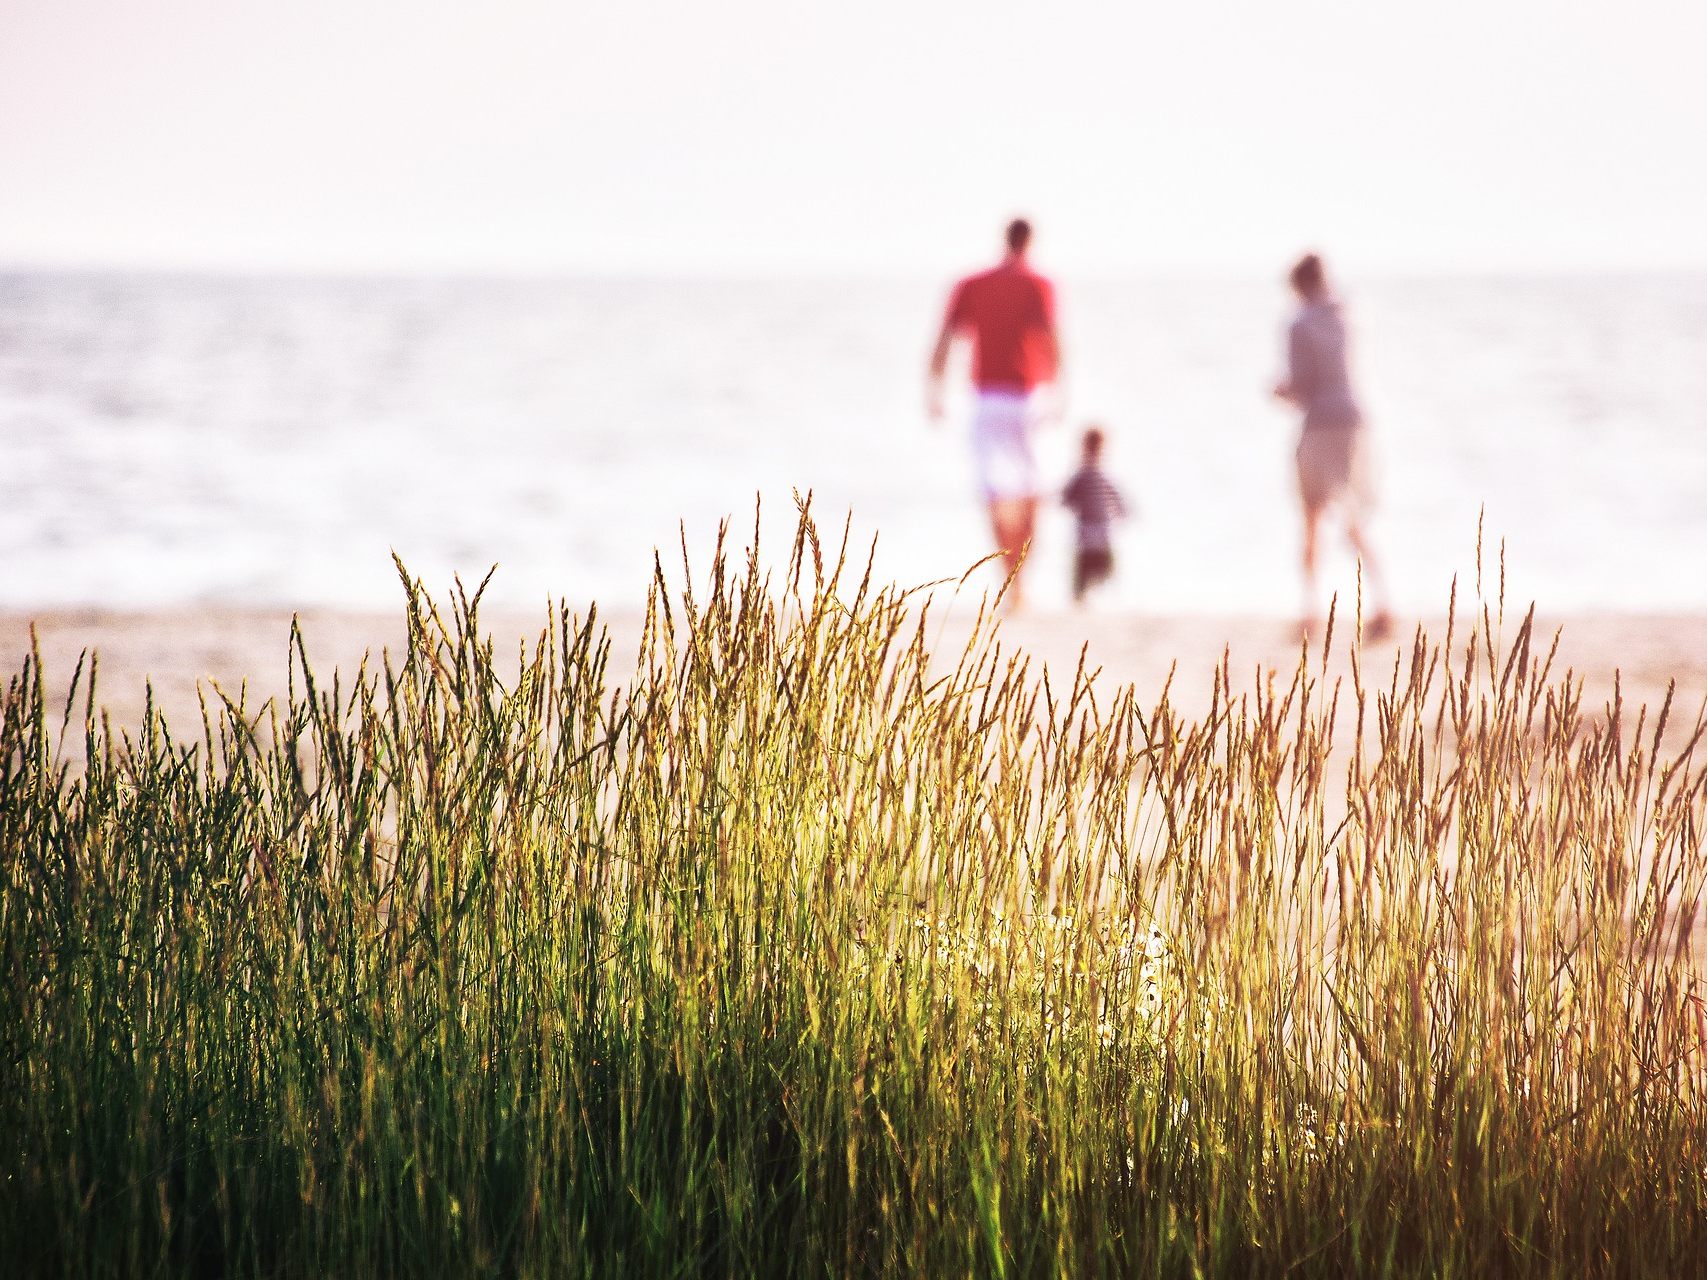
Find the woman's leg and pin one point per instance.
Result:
(1312, 539)
(1380, 624)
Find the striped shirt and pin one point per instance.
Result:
(1097, 504)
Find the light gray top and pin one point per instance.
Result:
(1321, 383)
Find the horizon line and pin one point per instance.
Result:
(776, 272)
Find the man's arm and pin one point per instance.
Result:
(1051, 335)
(939, 367)
(1052, 348)
(1049, 346)
(939, 355)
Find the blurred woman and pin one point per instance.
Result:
(1333, 463)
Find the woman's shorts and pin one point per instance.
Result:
(1333, 467)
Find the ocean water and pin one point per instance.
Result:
(171, 441)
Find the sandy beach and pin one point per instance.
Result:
(185, 650)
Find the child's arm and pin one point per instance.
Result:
(1114, 500)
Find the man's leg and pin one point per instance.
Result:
(1027, 526)
(1012, 521)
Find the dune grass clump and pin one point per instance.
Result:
(804, 949)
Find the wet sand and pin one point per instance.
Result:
(180, 650)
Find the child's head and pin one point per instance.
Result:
(1091, 446)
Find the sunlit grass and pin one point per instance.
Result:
(805, 949)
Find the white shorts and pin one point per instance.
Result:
(1001, 445)
(1333, 467)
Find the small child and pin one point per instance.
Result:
(1096, 503)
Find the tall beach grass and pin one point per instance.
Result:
(803, 948)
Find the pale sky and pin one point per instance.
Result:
(886, 135)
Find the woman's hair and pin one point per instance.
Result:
(1307, 274)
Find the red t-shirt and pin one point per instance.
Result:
(1007, 311)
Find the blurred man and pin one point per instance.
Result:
(1008, 312)
(1333, 462)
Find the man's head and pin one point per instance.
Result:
(1092, 443)
(1309, 281)
(1019, 236)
